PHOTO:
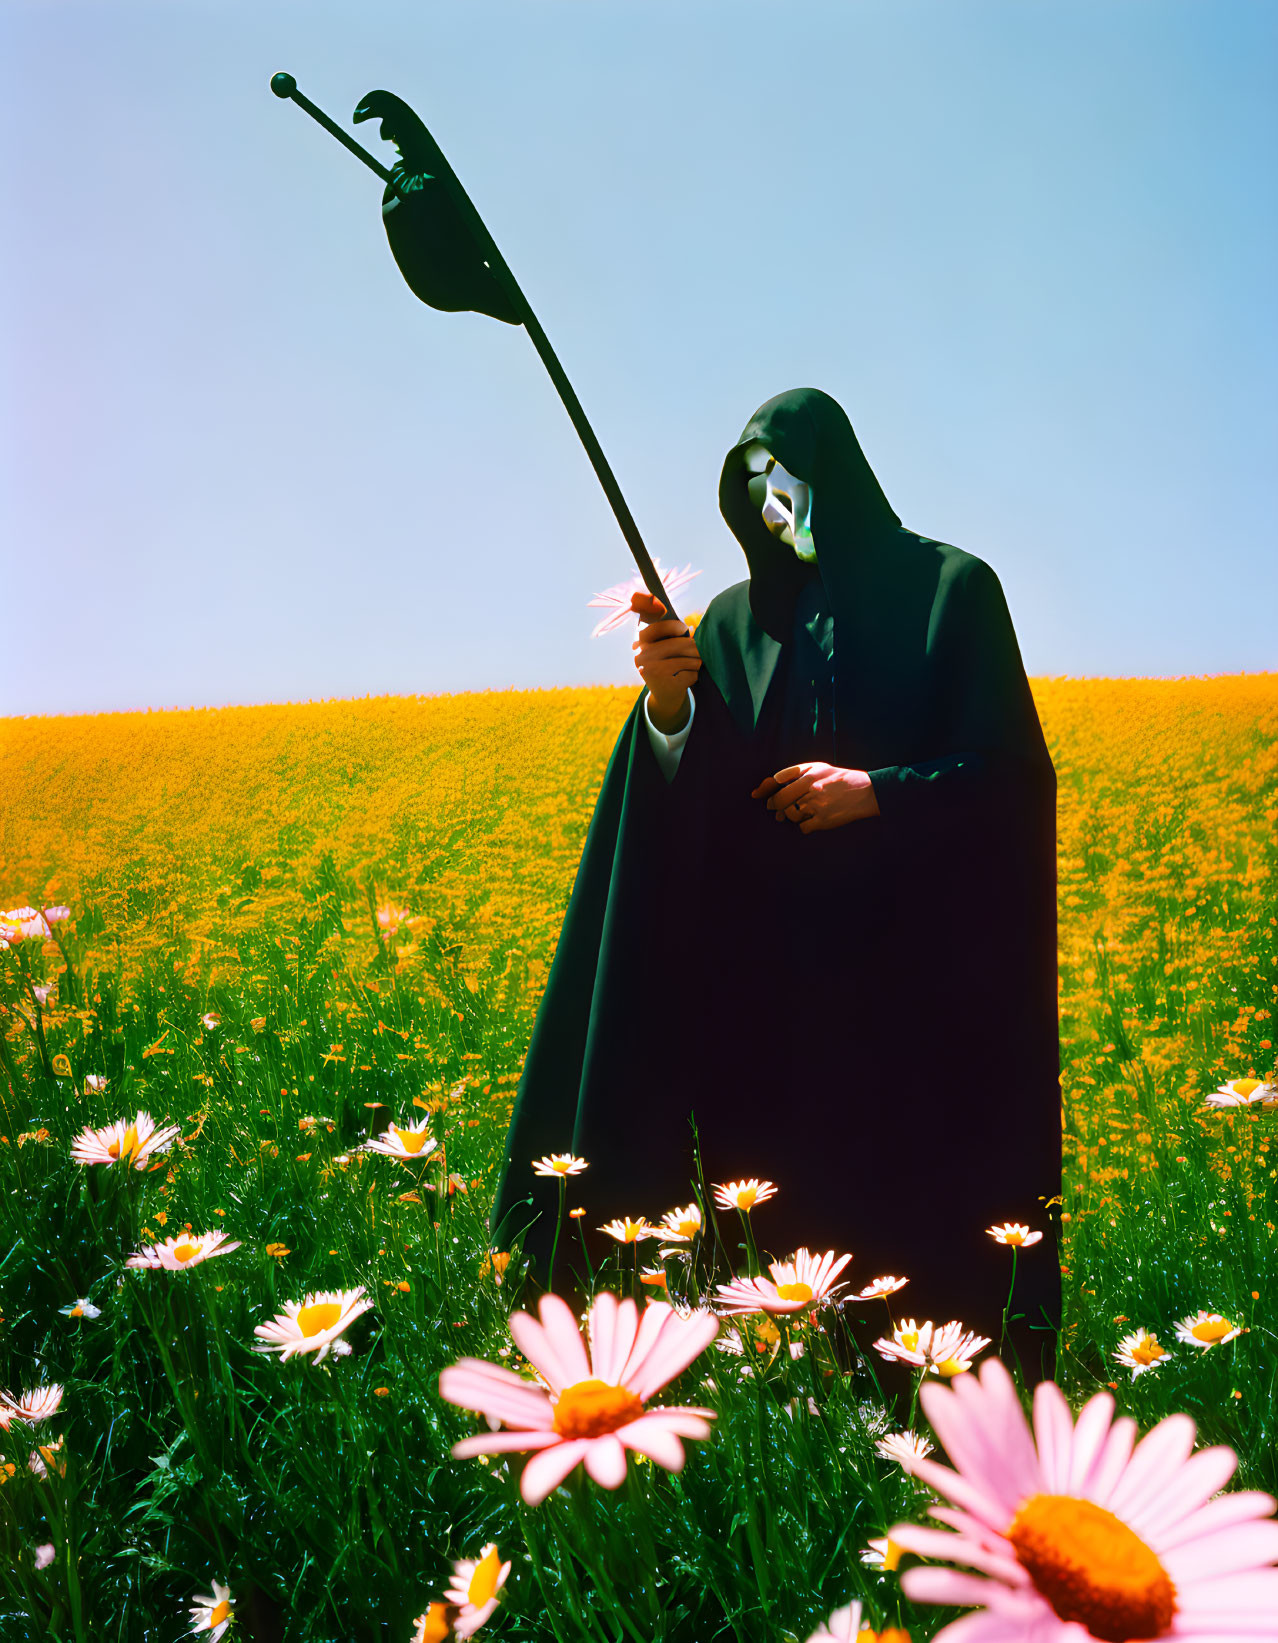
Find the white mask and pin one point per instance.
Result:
(785, 502)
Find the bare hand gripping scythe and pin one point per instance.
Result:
(452, 263)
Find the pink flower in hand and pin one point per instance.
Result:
(618, 596)
(591, 1408)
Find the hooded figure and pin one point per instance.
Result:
(865, 1015)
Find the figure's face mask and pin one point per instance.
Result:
(785, 502)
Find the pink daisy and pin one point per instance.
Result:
(31, 1407)
(744, 1195)
(904, 1448)
(187, 1249)
(405, 1141)
(1077, 1534)
(617, 597)
(475, 1585)
(881, 1288)
(591, 1407)
(801, 1282)
(123, 1142)
(1013, 1234)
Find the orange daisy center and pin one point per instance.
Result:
(128, 1147)
(1244, 1086)
(218, 1615)
(588, 1409)
(1211, 1329)
(323, 1315)
(184, 1252)
(1147, 1350)
(795, 1292)
(412, 1140)
(483, 1583)
(434, 1625)
(1092, 1568)
(949, 1367)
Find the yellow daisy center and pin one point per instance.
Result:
(434, 1625)
(746, 1197)
(794, 1292)
(1211, 1330)
(949, 1367)
(184, 1252)
(323, 1315)
(1092, 1568)
(218, 1615)
(1244, 1086)
(483, 1583)
(1147, 1350)
(128, 1147)
(910, 1339)
(412, 1140)
(588, 1409)
(560, 1165)
(76, 1312)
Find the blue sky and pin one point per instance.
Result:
(1029, 246)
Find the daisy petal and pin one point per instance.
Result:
(547, 1470)
(606, 1461)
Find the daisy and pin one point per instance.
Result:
(626, 1231)
(938, 1349)
(843, 1626)
(591, 1408)
(313, 1324)
(414, 1142)
(1075, 1534)
(681, 1225)
(1206, 1329)
(617, 597)
(881, 1288)
(1242, 1092)
(81, 1309)
(1011, 1232)
(94, 1083)
(559, 1163)
(44, 1555)
(123, 1142)
(434, 1626)
(904, 1448)
(1140, 1351)
(744, 1195)
(803, 1281)
(187, 1249)
(213, 1614)
(883, 1554)
(474, 1588)
(389, 918)
(18, 922)
(211, 1021)
(30, 1407)
(654, 1276)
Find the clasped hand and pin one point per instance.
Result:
(818, 796)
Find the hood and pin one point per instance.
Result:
(811, 437)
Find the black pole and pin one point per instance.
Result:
(285, 86)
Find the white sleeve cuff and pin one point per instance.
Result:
(669, 749)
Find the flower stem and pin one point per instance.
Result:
(559, 1221)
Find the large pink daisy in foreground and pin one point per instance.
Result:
(594, 1408)
(1077, 1534)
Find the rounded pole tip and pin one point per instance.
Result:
(283, 85)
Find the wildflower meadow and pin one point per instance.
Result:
(267, 977)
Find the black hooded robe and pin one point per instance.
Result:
(865, 1016)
